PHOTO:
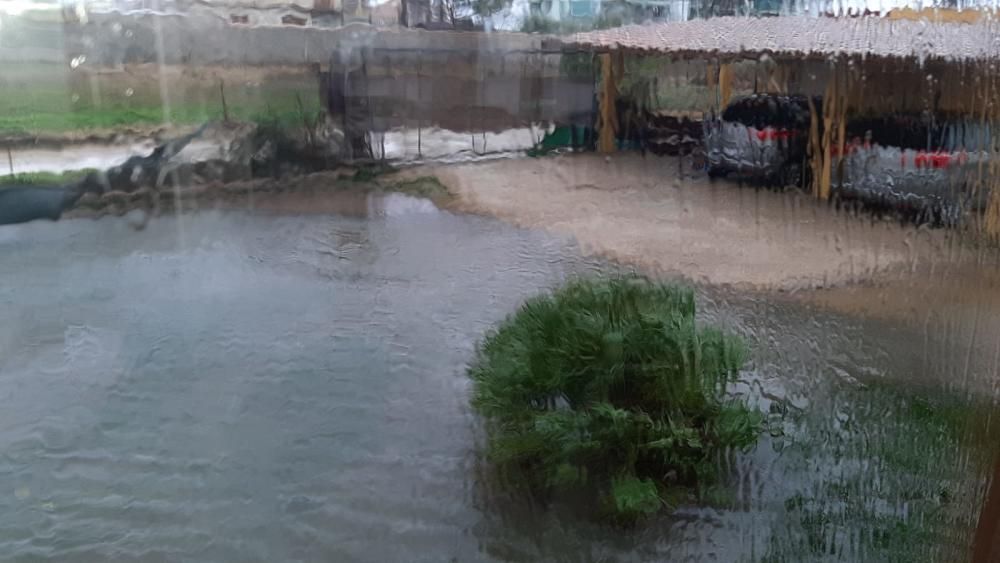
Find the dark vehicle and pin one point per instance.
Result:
(920, 165)
(923, 166)
(762, 136)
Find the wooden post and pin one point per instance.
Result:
(835, 106)
(607, 126)
(420, 100)
(986, 542)
(10, 160)
(815, 147)
(222, 94)
(725, 84)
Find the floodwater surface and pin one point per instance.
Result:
(230, 386)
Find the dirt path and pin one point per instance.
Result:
(644, 212)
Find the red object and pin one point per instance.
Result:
(940, 160)
(762, 135)
(921, 159)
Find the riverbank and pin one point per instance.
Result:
(654, 214)
(342, 191)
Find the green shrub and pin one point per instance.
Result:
(44, 178)
(609, 388)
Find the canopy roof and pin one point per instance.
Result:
(803, 36)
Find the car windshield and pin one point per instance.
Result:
(762, 111)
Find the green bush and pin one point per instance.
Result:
(610, 389)
(45, 178)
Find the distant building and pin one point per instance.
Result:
(562, 10)
(625, 11)
(320, 13)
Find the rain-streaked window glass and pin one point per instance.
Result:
(499, 280)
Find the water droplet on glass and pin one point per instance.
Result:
(128, 33)
(129, 92)
(77, 61)
(116, 27)
(75, 98)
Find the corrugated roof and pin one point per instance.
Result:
(804, 36)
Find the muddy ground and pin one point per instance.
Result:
(658, 215)
(344, 191)
(653, 213)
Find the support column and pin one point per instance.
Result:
(987, 539)
(607, 123)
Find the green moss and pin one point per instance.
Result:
(37, 99)
(424, 186)
(371, 172)
(44, 178)
(907, 484)
(610, 387)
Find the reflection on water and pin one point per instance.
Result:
(244, 387)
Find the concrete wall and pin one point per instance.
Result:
(456, 80)
(113, 39)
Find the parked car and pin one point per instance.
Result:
(762, 136)
(920, 165)
(925, 166)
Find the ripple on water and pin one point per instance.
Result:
(239, 387)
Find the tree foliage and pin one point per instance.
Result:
(610, 388)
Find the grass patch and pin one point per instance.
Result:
(901, 481)
(425, 186)
(37, 99)
(44, 178)
(609, 391)
(372, 172)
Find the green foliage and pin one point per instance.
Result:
(44, 178)
(538, 23)
(489, 7)
(49, 99)
(634, 497)
(424, 186)
(908, 470)
(371, 172)
(609, 387)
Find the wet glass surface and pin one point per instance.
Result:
(251, 254)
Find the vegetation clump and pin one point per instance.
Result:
(609, 388)
(45, 178)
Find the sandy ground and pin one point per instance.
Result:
(651, 213)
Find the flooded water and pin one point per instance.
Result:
(231, 386)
